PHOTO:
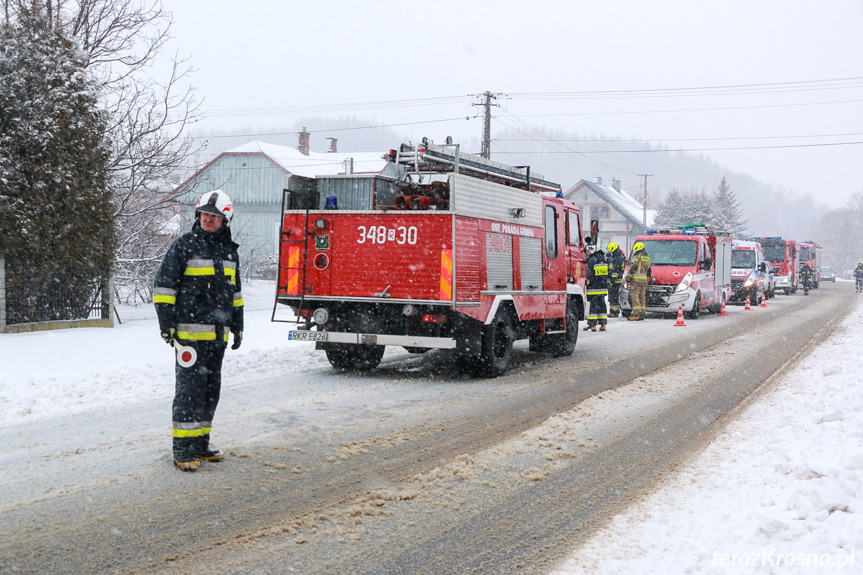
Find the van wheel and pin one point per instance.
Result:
(497, 340)
(696, 308)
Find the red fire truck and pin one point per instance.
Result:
(440, 250)
(810, 255)
(782, 255)
(691, 267)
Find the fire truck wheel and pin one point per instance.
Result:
(497, 340)
(564, 344)
(355, 357)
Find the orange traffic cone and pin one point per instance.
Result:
(680, 321)
(722, 310)
(763, 300)
(747, 306)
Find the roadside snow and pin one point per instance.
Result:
(779, 491)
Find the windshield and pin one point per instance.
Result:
(743, 259)
(807, 254)
(774, 253)
(671, 252)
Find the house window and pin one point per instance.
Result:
(599, 213)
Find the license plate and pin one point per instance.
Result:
(303, 335)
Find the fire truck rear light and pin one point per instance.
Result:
(429, 318)
(321, 316)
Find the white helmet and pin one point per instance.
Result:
(216, 202)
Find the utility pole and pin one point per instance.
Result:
(486, 126)
(644, 201)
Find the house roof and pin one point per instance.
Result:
(621, 201)
(315, 163)
(292, 161)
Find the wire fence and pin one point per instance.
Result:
(257, 295)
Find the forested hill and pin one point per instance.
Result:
(771, 210)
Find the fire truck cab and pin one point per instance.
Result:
(691, 267)
(449, 250)
(782, 254)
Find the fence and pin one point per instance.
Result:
(34, 306)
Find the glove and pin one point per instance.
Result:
(238, 339)
(168, 335)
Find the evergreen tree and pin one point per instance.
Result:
(56, 229)
(668, 213)
(728, 214)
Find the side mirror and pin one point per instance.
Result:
(763, 267)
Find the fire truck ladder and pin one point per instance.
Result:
(436, 158)
(297, 251)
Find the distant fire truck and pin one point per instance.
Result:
(782, 255)
(810, 255)
(440, 250)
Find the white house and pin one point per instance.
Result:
(620, 216)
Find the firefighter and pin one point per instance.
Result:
(597, 289)
(616, 264)
(807, 277)
(198, 301)
(637, 278)
(858, 276)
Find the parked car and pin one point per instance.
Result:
(770, 280)
(828, 275)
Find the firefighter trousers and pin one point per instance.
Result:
(639, 299)
(597, 313)
(195, 399)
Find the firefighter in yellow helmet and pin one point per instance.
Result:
(637, 278)
(616, 265)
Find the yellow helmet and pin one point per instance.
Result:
(638, 247)
(611, 247)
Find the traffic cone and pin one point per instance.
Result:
(763, 300)
(722, 310)
(680, 321)
(747, 306)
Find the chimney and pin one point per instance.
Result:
(334, 145)
(599, 180)
(615, 183)
(303, 145)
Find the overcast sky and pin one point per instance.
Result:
(798, 65)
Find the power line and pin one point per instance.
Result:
(376, 126)
(717, 139)
(666, 151)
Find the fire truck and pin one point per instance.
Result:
(691, 267)
(782, 255)
(810, 255)
(443, 250)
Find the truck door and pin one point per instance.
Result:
(554, 274)
(573, 246)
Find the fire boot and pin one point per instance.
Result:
(187, 464)
(590, 328)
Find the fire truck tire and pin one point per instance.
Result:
(355, 357)
(497, 340)
(564, 344)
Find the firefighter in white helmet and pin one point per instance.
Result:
(199, 301)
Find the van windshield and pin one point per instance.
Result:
(671, 252)
(743, 259)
